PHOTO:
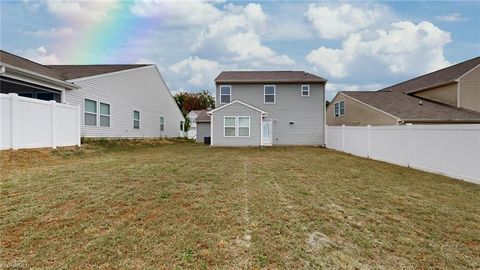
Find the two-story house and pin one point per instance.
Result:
(263, 108)
(447, 96)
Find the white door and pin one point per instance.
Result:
(267, 132)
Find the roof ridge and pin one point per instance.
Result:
(418, 77)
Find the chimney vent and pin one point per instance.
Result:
(420, 103)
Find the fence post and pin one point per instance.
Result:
(408, 130)
(369, 143)
(53, 123)
(13, 121)
(78, 126)
(343, 138)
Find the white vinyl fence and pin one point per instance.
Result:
(452, 150)
(33, 123)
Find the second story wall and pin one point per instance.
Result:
(470, 90)
(446, 94)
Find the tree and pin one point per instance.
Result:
(187, 102)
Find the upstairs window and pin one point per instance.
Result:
(305, 90)
(104, 114)
(162, 123)
(90, 112)
(269, 94)
(136, 119)
(225, 94)
(339, 108)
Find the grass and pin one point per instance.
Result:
(178, 205)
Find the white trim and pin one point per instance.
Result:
(36, 75)
(237, 126)
(464, 74)
(229, 95)
(106, 74)
(274, 94)
(368, 105)
(301, 90)
(235, 102)
(339, 108)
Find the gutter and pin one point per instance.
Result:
(5, 67)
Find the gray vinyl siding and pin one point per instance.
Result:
(141, 90)
(307, 112)
(203, 130)
(236, 110)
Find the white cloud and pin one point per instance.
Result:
(340, 21)
(332, 88)
(195, 71)
(405, 48)
(235, 37)
(52, 33)
(178, 12)
(452, 17)
(82, 12)
(41, 55)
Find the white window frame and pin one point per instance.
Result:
(337, 111)
(139, 117)
(229, 94)
(301, 90)
(162, 123)
(274, 94)
(234, 126)
(85, 112)
(100, 114)
(237, 126)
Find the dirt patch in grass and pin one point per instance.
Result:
(164, 205)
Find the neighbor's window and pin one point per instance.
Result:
(305, 90)
(162, 123)
(136, 119)
(90, 111)
(269, 94)
(229, 126)
(225, 94)
(104, 114)
(181, 125)
(244, 126)
(339, 108)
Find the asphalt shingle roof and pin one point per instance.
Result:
(79, 71)
(268, 77)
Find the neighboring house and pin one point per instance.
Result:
(447, 96)
(199, 125)
(257, 108)
(116, 101)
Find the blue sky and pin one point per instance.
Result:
(355, 45)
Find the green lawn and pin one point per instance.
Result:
(182, 205)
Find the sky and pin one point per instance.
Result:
(354, 45)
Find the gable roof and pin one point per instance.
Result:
(434, 79)
(79, 71)
(268, 77)
(406, 107)
(202, 116)
(20, 62)
(239, 102)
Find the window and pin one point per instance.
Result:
(136, 119)
(229, 126)
(162, 123)
(269, 94)
(90, 111)
(244, 126)
(181, 125)
(236, 126)
(305, 90)
(104, 114)
(225, 94)
(339, 108)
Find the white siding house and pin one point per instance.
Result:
(111, 101)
